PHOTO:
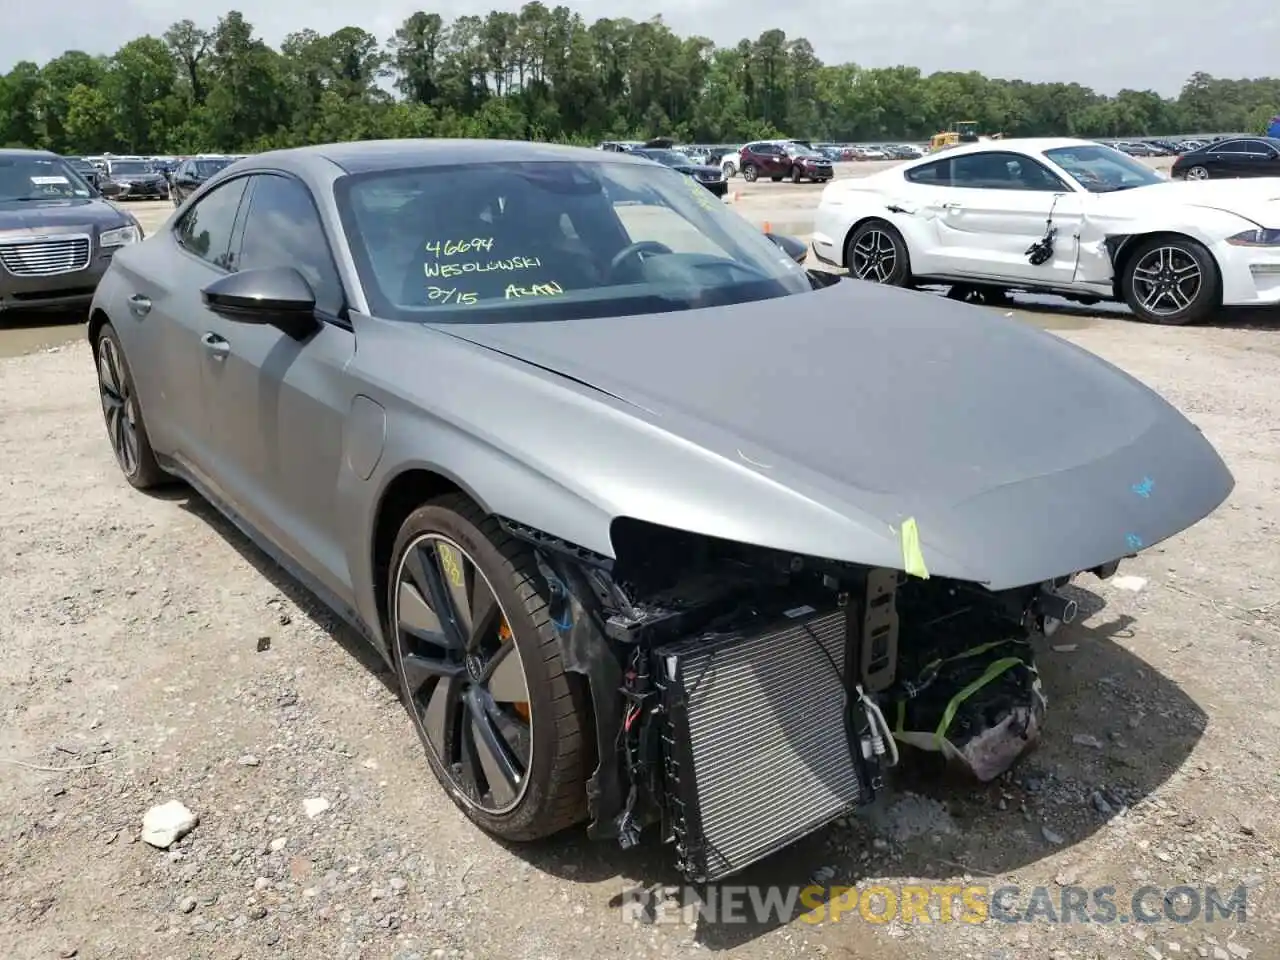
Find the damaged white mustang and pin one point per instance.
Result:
(1067, 217)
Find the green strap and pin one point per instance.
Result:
(902, 717)
(994, 670)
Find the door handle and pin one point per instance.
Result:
(217, 346)
(140, 305)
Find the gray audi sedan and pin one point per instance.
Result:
(654, 527)
(57, 234)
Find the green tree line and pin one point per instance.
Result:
(546, 73)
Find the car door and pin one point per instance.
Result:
(1258, 159)
(277, 403)
(996, 207)
(1225, 159)
(163, 299)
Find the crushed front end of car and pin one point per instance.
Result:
(744, 697)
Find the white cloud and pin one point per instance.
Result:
(1134, 43)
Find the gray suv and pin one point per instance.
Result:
(57, 233)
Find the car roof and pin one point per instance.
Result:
(367, 156)
(1016, 144)
(23, 152)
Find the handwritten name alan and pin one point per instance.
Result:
(549, 289)
(447, 270)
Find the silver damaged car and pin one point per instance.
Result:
(658, 530)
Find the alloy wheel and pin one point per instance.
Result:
(462, 673)
(875, 256)
(1197, 173)
(119, 406)
(1167, 280)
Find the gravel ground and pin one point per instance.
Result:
(150, 654)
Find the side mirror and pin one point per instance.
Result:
(279, 296)
(796, 249)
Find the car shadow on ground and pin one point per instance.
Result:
(1116, 730)
(342, 633)
(30, 331)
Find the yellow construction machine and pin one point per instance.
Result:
(962, 131)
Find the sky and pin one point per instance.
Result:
(1140, 44)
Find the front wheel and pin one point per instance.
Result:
(876, 252)
(122, 412)
(730, 170)
(1171, 280)
(480, 672)
(750, 173)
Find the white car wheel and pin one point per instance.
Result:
(877, 253)
(1171, 280)
(730, 169)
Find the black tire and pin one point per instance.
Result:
(1197, 173)
(554, 794)
(122, 413)
(1156, 281)
(730, 169)
(750, 173)
(895, 274)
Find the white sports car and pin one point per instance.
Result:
(1068, 217)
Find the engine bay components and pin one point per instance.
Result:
(745, 698)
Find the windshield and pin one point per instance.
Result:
(672, 158)
(207, 168)
(124, 167)
(508, 242)
(39, 178)
(1102, 169)
(796, 150)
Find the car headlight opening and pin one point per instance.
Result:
(1262, 237)
(120, 236)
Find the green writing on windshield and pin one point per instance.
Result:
(447, 270)
(451, 248)
(445, 296)
(549, 289)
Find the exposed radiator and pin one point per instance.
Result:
(757, 754)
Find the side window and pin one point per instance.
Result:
(1031, 175)
(205, 229)
(1235, 146)
(995, 171)
(936, 174)
(283, 229)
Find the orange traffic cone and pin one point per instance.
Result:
(767, 228)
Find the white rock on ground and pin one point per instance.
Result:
(315, 806)
(167, 823)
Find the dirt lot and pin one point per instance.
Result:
(150, 654)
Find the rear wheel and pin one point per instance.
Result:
(480, 672)
(730, 169)
(123, 414)
(1197, 173)
(876, 252)
(1171, 280)
(750, 173)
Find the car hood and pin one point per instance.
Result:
(44, 215)
(698, 170)
(1020, 456)
(1255, 200)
